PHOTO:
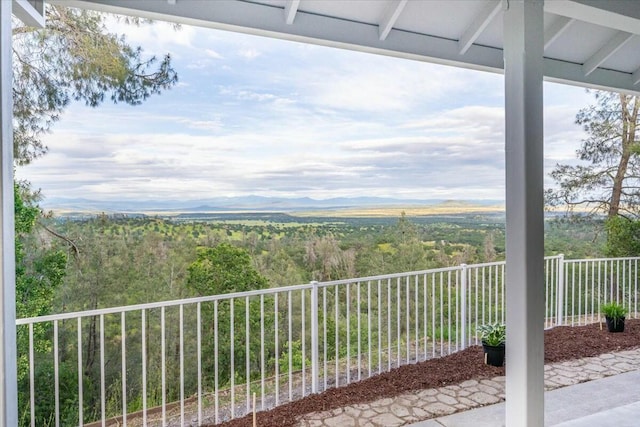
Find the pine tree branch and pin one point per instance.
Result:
(76, 251)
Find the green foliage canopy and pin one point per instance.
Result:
(223, 269)
(623, 237)
(39, 273)
(75, 58)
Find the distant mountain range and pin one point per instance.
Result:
(246, 204)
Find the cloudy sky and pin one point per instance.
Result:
(253, 115)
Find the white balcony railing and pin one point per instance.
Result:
(201, 360)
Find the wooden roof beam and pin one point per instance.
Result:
(619, 15)
(290, 10)
(556, 29)
(390, 17)
(605, 52)
(29, 12)
(479, 24)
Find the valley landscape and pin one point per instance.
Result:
(97, 259)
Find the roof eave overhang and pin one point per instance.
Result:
(268, 20)
(30, 12)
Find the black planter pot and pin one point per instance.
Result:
(493, 355)
(615, 325)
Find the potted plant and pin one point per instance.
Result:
(493, 336)
(614, 314)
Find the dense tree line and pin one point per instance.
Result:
(119, 261)
(152, 258)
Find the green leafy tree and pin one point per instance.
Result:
(39, 273)
(608, 178)
(219, 270)
(75, 58)
(277, 265)
(297, 361)
(122, 262)
(405, 231)
(489, 247)
(409, 253)
(327, 260)
(623, 237)
(223, 269)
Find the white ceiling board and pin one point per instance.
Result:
(554, 26)
(492, 36)
(636, 77)
(621, 15)
(625, 59)
(613, 45)
(268, 20)
(480, 23)
(368, 11)
(424, 30)
(573, 46)
(447, 20)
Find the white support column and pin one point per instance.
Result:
(8, 375)
(523, 54)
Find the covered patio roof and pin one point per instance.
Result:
(591, 43)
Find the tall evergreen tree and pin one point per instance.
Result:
(607, 180)
(75, 58)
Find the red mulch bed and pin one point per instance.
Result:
(561, 343)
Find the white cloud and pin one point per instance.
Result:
(249, 53)
(562, 135)
(298, 121)
(378, 84)
(247, 95)
(210, 125)
(212, 54)
(156, 38)
(199, 64)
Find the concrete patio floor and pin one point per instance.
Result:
(596, 391)
(610, 401)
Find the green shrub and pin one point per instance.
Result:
(613, 310)
(493, 334)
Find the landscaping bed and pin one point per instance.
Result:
(561, 343)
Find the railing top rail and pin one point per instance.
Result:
(484, 264)
(389, 276)
(160, 304)
(494, 263)
(574, 261)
